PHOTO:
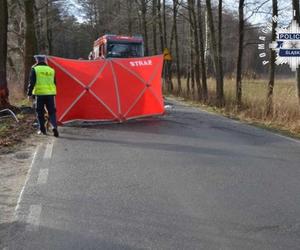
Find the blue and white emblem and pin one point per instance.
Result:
(287, 45)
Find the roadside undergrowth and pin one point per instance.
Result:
(285, 116)
(13, 133)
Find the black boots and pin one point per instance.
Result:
(55, 132)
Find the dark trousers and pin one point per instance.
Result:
(47, 101)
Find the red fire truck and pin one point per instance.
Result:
(115, 46)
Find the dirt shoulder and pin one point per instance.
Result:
(13, 133)
(18, 143)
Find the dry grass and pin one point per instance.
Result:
(286, 108)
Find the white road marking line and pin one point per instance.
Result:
(43, 176)
(33, 219)
(48, 151)
(27, 178)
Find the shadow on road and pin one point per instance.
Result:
(187, 123)
(15, 236)
(207, 235)
(176, 148)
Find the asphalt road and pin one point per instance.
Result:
(188, 180)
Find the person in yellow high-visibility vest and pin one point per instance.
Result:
(43, 87)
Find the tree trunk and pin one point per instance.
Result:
(188, 86)
(220, 87)
(48, 27)
(160, 26)
(169, 63)
(168, 75)
(145, 30)
(165, 23)
(269, 107)
(140, 24)
(296, 9)
(30, 40)
(175, 8)
(3, 53)
(196, 47)
(129, 16)
(240, 55)
(202, 54)
(215, 48)
(191, 70)
(39, 27)
(154, 23)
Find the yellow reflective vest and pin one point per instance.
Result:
(44, 84)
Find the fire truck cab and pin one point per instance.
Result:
(115, 46)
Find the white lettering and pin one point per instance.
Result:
(261, 55)
(265, 62)
(262, 38)
(275, 19)
(261, 46)
(289, 36)
(141, 63)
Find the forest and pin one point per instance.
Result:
(218, 48)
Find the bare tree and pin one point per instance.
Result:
(143, 12)
(240, 54)
(169, 63)
(175, 9)
(216, 54)
(191, 5)
(49, 34)
(30, 40)
(129, 16)
(44, 20)
(191, 72)
(154, 25)
(145, 29)
(3, 53)
(165, 22)
(296, 9)
(160, 26)
(220, 86)
(15, 41)
(269, 107)
(202, 52)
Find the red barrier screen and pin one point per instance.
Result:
(108, 90)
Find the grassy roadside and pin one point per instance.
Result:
(285, 116)
(265, 124)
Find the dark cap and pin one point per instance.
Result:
(40, 58)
